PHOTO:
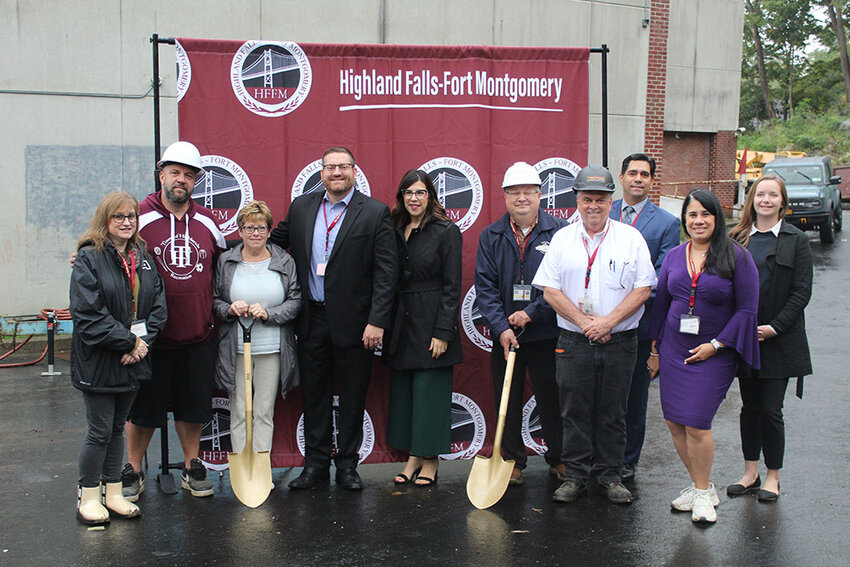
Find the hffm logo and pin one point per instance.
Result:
(271, 78)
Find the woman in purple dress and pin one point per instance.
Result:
(704, 318)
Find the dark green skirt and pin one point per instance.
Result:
(420, 414)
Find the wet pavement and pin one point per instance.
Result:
(43, 425)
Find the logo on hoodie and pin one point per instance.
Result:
(224, 188)
(459, 189)
(271, 78)
(557, 175)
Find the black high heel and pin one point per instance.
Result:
(427, 481)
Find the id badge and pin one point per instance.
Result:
(139, 328)
(586, 305)
(321, 268)
(522, 292)
(689, 325)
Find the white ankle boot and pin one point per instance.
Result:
(116, 502)
(89, 509)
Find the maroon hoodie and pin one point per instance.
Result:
(185, 251)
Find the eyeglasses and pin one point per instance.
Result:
(524, 192)
(419, 193)
(343, 167)
(249, 229)
(121, 218)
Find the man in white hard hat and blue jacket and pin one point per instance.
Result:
(509, 253)
(597, 276)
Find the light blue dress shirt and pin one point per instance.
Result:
(320, 232)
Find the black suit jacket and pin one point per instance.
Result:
(362, 268)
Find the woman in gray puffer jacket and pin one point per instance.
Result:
(118, 309)
(256, 279)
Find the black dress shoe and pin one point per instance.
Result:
(767, 496)
(349, 479)
(309, 477)
(739, 489)
(627, 472)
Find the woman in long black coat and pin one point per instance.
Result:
(784, 260)
(424, 344)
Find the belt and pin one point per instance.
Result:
(615, 337)
(318, 304)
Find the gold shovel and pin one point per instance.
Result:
(250, 472)
(489, 478)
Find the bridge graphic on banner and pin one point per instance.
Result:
(212, 183)
(269, 65)
(447, 184)
(555, 184)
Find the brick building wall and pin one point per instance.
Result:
(684, 160)
(656, 87)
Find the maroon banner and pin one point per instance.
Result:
(262, 113)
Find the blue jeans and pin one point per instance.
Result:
(594, 380)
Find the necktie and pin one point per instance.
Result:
(628, 214)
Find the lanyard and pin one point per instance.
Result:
(592, 258)
(521, 243)
(694, 278)
(330, 227)
(130, 271)
(637, 216)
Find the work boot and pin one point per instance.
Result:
(195, 479)
(568, 491)
(116, 502)
(133, 483)
(89, 509)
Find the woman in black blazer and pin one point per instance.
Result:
(424, 344)
(784, 260)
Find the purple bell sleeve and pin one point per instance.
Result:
(741, 332)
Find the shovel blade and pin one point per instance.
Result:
(250, 476)
(488, 480)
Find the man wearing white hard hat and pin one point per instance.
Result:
(509, 253)
(185, 240)
(596, 276)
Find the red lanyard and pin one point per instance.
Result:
(130, 271)
(330, 227)
(521, 243)
(592, 258)
(694, 278)
(637, 216)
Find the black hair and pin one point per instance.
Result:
(722, 251)
(638, 157)
(399, 215)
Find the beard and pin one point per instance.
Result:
(177, 199)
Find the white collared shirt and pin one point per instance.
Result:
(622, 264)
(774, 229)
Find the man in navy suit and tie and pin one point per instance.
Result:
(661, 231)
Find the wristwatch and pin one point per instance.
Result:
(716, 344)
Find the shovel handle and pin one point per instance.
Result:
(246, 328)
(503, 405)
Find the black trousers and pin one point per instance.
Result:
(538, 359)
(318, 360)
(594, 382)
(762, 424)
(638, 402)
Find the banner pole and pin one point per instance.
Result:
(604, 51)
(156, 82)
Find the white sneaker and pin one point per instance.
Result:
(685, 501)
(703, 508)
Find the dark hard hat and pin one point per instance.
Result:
(594, 178)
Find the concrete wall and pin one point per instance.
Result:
(704, 65)
(77, 113)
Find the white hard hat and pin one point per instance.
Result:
(184, 153)
(520, 173)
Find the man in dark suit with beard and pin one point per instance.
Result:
(345, 253)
